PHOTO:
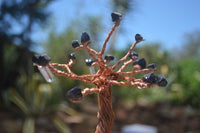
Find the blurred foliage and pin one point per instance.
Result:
(23, 14)
(185, 88)
(185, 68)
(123, 6)
(21, 93)
(191, 45)
(34, 100)
(17, 21)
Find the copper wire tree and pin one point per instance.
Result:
(105, 77)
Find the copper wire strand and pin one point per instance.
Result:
(132, 73)
(68, 75)
(87, 91)
(140, 84)
(125, 65)
(146, 70)
(120, 83)
(71, 62)
(65, 66)
(107, 39)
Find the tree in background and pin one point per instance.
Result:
(123, 6)
(186, 70)
(20, 93)
(191, 46)
(18, 18)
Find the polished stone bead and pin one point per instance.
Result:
(109, 57)
(74, 93)
(35, 58)
(72, 56)
(89, 62)
(116, 17)
(162, 81)
(138, 37)
(85, 37)
(41, 60)
(150, 78)
(152, 66)
(133, 54)
(140, 62)
(75, 44)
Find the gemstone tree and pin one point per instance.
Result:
(106, 76)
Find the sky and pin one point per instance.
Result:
(159, 21)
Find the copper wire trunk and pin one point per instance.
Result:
(105, 114)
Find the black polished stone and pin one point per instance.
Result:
(150, 78)
(75, 44)
(85, 37)
(116, 17)
(138, 37)
(74, 94)
(133, 54)
(41, 60)
(35, 58)
(152, 65)
(140, 62)
(89, 62)
(162, 81)
(109, 57)
(72, 56)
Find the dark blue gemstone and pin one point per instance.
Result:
(152, 66)
(162, 81)
(138, 37)
(84, 37)
(89, 62)
(74, 93)
(72, 56)
(133, 54)
(140, 62)
(150, 78)
(44, 60)
(46, 57)
(109, 57)
(116, 17)
(75, 43)
(41, 60)
(35, 59)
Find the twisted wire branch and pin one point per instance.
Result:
(107, 39)
(125, 65)
(68, 75)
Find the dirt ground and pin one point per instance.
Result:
(165, 118)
